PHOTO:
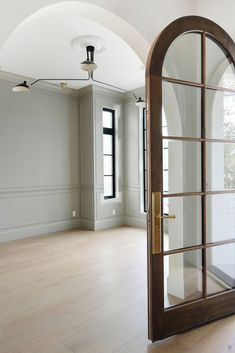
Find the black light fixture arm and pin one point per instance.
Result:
(112, 86)
(61, 79)
(90, 76)
(88, 65)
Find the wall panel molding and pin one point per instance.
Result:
(37, 190)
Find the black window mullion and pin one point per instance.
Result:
(108, 131)
(111, 132)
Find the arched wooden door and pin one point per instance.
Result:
(191, 156)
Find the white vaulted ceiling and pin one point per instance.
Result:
(35, 36)
(42, 48)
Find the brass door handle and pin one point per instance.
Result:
(156, 223)
(166, 217)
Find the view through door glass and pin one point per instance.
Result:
(191, 225)
(198, 172)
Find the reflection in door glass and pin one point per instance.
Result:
(183, 58)
(220, 217)
(220, 115)
(221, 268)
(164, 124)
(181, 166)
(186, 228)
(181, 109)
(220, 166)
(182, 277)
(219, 68)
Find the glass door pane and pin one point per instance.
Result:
(219, 68)
(181, 110)
(186, 229)
(181, 166)
(221, 268)
(182, 277)
(220, 166)
(184, 50)
(220, 217)
(220, 114)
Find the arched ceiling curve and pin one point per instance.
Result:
(40, 46)
(136, 22)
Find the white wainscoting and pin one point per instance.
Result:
(32, 211)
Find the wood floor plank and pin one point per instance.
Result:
(58, 348)
(85, 292)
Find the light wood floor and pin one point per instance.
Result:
(85, 292)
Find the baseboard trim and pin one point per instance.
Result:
(31, 230)
(101, 224)
(109, 223)
(139, 222)
(37, 229)
(86, 224)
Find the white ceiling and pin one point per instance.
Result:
(42, 48)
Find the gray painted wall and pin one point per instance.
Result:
(51, 161)
(39, 162)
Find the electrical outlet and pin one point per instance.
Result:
(114, 212)
(74, 213)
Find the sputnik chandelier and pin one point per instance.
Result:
(88, 65)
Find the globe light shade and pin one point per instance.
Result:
(88, 65)
(140, 103)
(21, 87)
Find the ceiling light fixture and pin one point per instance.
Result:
(63, 85)
(21, 87)
(88, 65)
(140, 103)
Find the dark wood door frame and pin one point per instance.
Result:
(166, 322)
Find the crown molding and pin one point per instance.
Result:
(100, 90)
(139, 92)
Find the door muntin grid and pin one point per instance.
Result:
(196, 270)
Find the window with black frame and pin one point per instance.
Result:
(145, 158)
(109, 153)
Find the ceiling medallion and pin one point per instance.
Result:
(83, 42)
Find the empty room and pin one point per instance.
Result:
(117, 178)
